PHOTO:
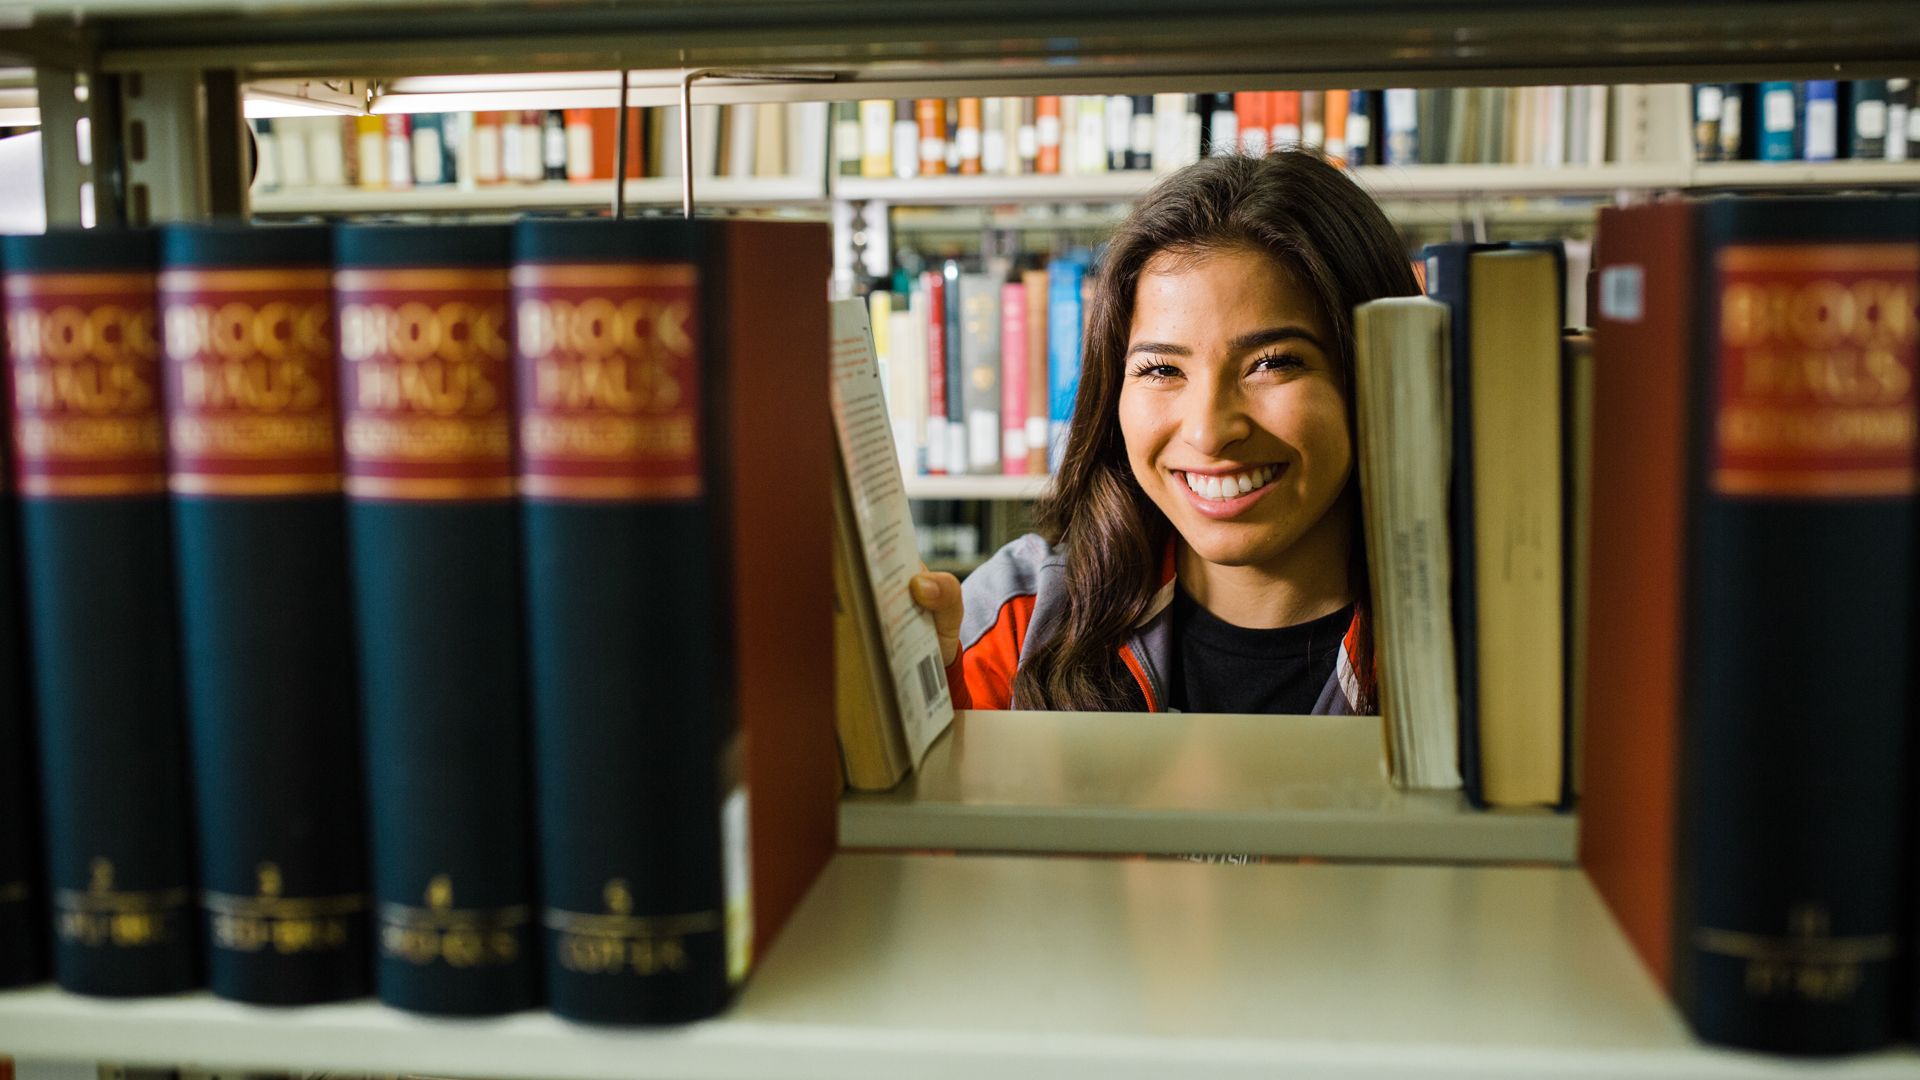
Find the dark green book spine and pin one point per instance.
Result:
(427, 422)
(91, 470)
(1792, 903)
(264, 610)
(632, 703)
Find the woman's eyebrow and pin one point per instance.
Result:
(1158, 348)
(1274, 335)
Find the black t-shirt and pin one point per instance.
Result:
(1220, 667)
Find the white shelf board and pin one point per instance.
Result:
(1805, 173)
(1174, 783)
(1404, 181)
(1016, 967)
(652, 191)
(1011, 488)
(949, 189)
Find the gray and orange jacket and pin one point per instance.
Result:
(1018, 597)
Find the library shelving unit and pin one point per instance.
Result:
(1409, 938)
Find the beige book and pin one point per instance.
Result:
(769, 139)
(1518, 567)
(1402, 394)
(873, 744)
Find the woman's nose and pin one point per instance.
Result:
(1215, 419)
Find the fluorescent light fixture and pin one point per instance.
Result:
(264, 103)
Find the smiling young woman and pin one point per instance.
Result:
(1201, 547)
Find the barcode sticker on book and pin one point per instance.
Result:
(1623, 293)
(929, 679)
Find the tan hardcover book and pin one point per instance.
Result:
(1038, 399)
(1514, 327)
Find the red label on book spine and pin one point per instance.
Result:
(608, 381)
(1816, 371)
(424, 383)
(84, 368)
(250, 395)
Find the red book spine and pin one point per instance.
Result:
(936, 373)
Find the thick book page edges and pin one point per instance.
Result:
(1402, 377)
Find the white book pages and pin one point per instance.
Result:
(1404, 428)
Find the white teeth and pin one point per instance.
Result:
(1229, 487)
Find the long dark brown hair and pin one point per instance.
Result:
(1330, 236)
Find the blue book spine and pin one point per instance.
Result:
(266, 626)
(98, 601)
(1821, 132)
(1063, 352)
(1360, 127)
(1777, 121)
(434, 561)
(1402, 110)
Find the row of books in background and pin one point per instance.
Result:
(412, 610)
(1818, 120)
(1078, 135)
(400, 151)
(981, 365)
(1710, 634)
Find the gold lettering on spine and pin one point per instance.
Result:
(101, 916)
(288, 926)
(608, 359)
(1809, 962)
(440, 932)
(83, 360)
(1818, 348)
(621, 943)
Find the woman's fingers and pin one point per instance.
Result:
(940, 594)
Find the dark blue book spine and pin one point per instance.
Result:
(426, 421)
(1446, 266)
(90, 466)
(625, 549)
(1792, 903)
(264, 610)
(22, 896)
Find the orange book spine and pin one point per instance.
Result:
(1046, 123)
(932, 115)
(967, 134)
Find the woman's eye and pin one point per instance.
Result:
(1155, 372)
(1280, 362)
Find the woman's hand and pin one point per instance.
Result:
(940, 594)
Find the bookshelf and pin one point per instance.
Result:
(1011, 965)
(1018, 967)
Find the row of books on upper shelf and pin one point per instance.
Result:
(1676, 572)
(1088, 134)
(412, 610)
(401, 151)
(1818, 120)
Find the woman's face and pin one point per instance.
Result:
(1231, 408)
